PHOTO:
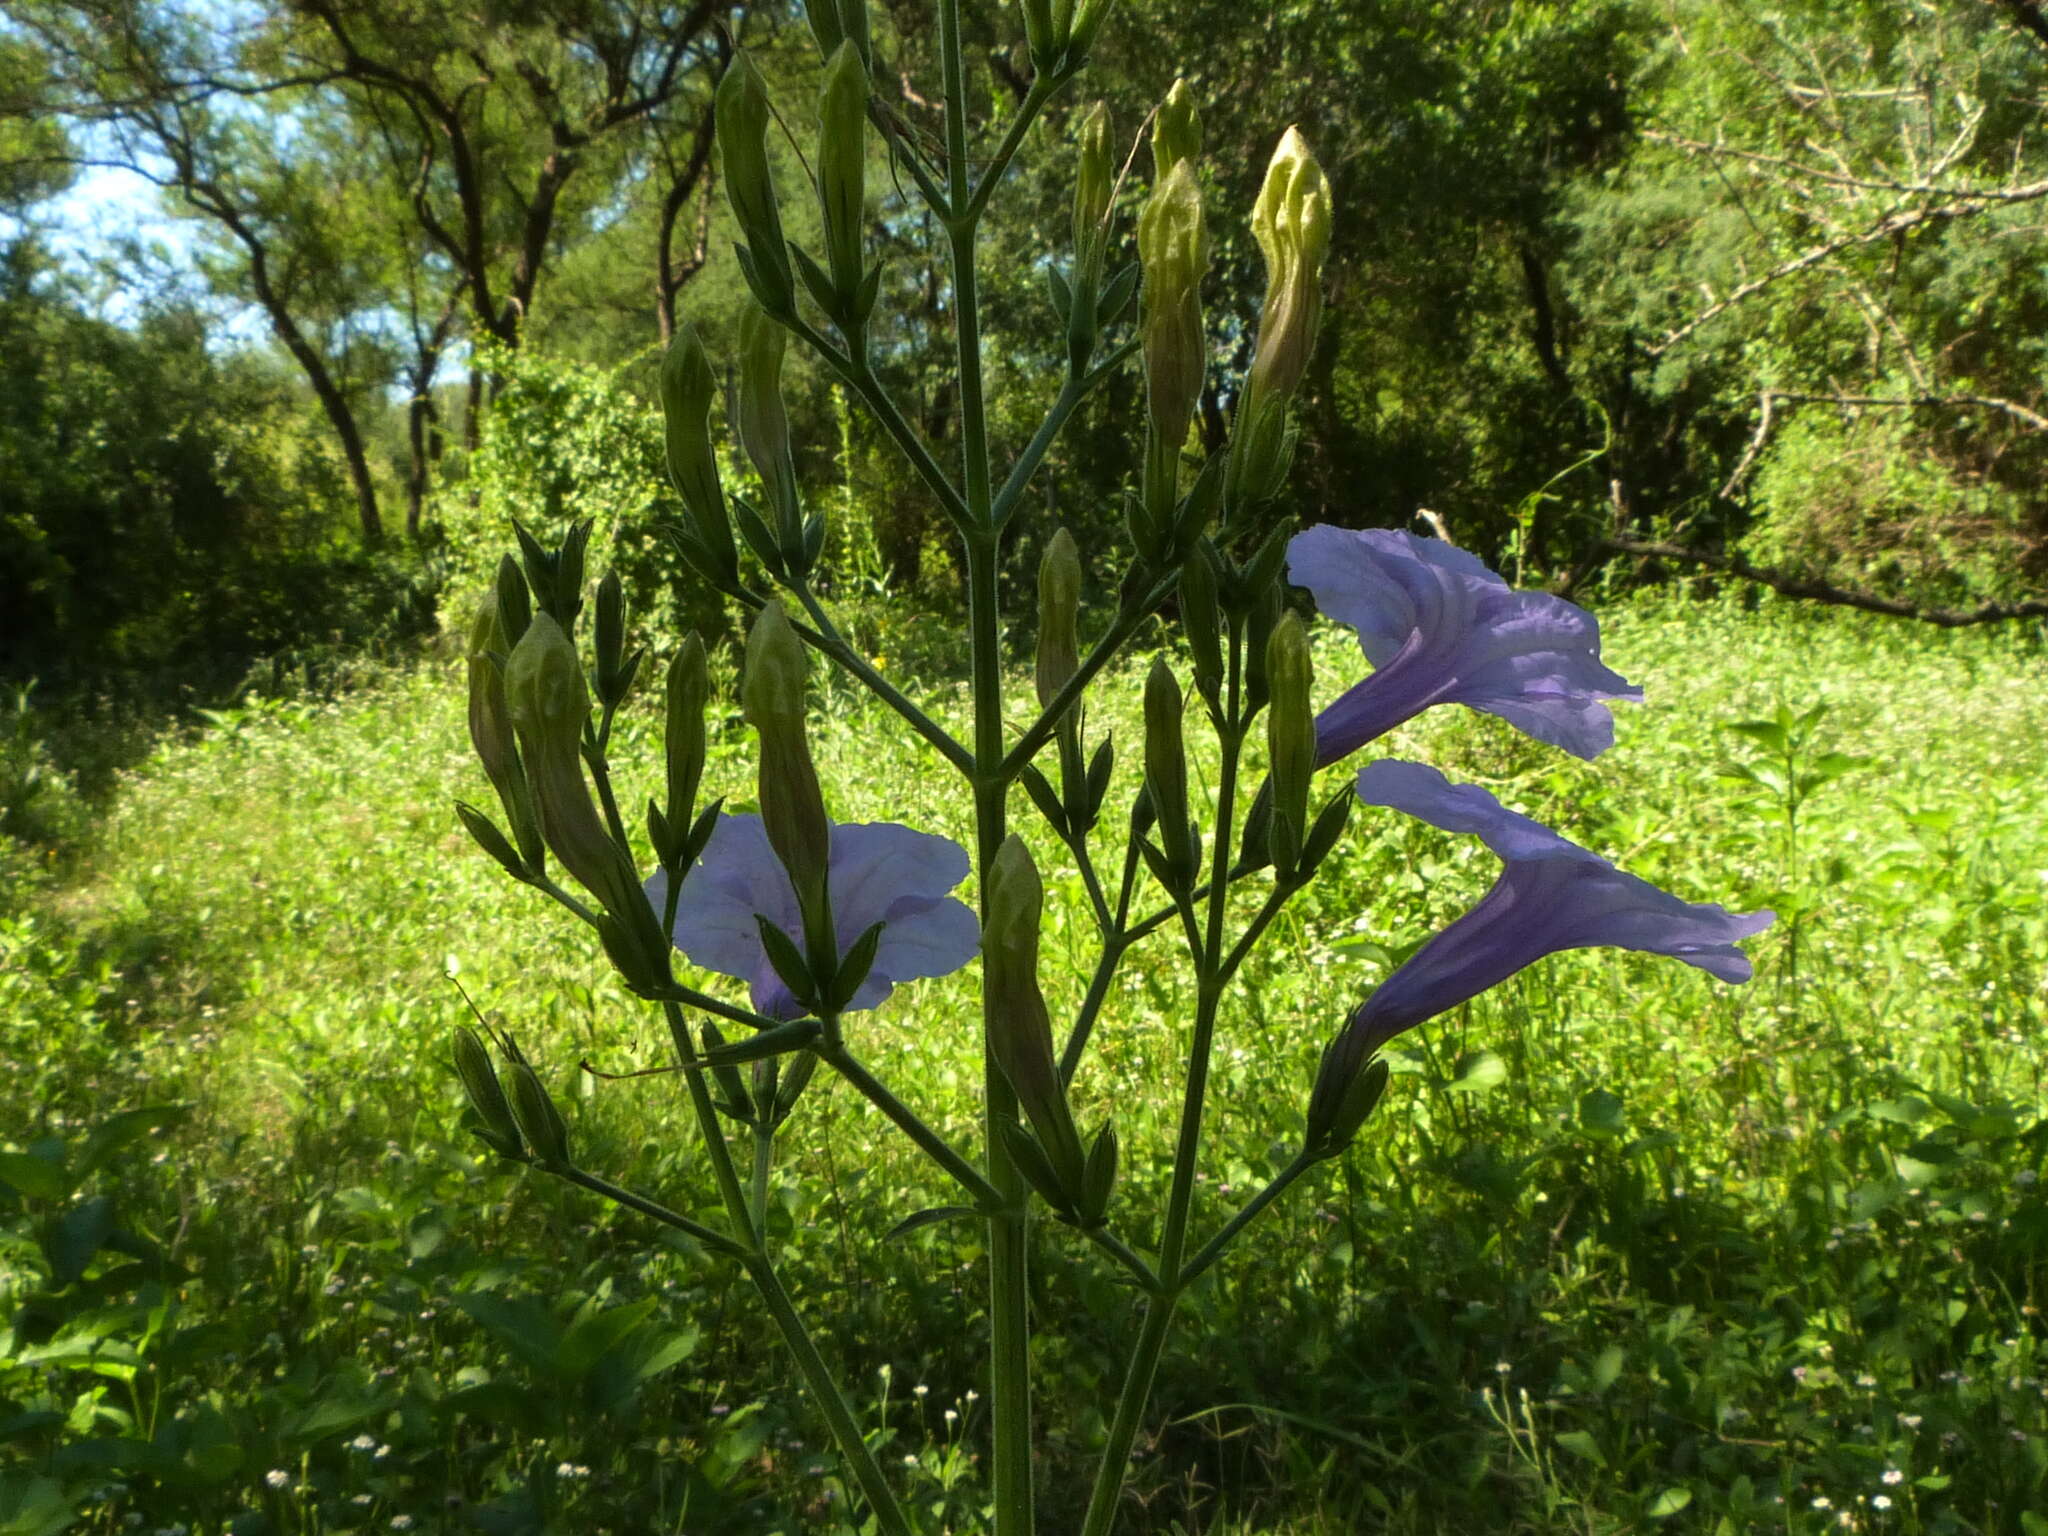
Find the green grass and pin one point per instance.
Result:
(1622, 1249)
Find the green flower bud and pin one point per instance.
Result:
(1292, 223)
(1173, 249)
(1166, 769)
(1089, 16)
(486, 1096)
(1020, 1031)
(533, 1110)
(1094, 180)
(1059, 601)
(1347, 1090)
(490, 729)
(549, 703)
(689, 685)
(688, 386)
(1290, 736)
(842, 166)
(763, 422)
(1201, 620)
(744, 116)
(772, 693)
(1176, 131)
(1038, 33)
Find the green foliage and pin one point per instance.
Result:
(167, 517)
(566, 442)
(1736, 1246)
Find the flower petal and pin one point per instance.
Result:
(737, 877)
(1439, 627)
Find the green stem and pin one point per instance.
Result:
(764, 1157)
(795, 1336)
(827, 639)
(1113, 946)
(1130, 1407)
(831, 1401)
(1042, 90)
(1116, 1248)
(934, 1146)
(860, 378)
(1213, 1249)
(710, 1237)
(1124, 626)
(1076, 389)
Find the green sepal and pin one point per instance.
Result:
(854, 966)
(486, 1095)
(515, 606)
(1099, 769)
(1254, 851)
(1283, 843)
(609, 638)
(1033, 1164)
(626, 944)
(700, 832)
(1201, 622)
(1322, 837)
(755, 532)
(1098, 1176)
(1116, 296)
(493, 842)
(795, 1079)
(539, 1122)
(779, 1040)
(930, 1216)
(788, 961)
(1061, 292)
(739, 1104)
(1043, 796)
(817, 280)
(1360, 1098)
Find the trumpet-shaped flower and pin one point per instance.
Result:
(1553, 895)
(877, 872)
(1440, 628)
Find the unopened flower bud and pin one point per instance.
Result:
(490, 728)
(1094, 180)
(1201, 620)
(1059, 602)
(1176, 131)
(688, 387)
(486, 1096)
(549, 702)
(772, 694)
(1173, 247)
(743, 120)
(1089, 15)
(1166, 769)
(689, 685)
(763, 422)
(1038, 33)
(533, 1110)
(1348, 1086)
(842, 166)
(1292, 223)
(1020, 1031)
(1290, 736)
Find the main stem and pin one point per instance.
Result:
(1009, 1293)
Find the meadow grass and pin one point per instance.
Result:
(1622, 1249)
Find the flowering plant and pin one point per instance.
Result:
(823, 919)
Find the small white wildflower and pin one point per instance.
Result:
(1892, 1477)
(277, 1477)
(363, 1443)
(1881, 1501)
(1910, 1420)
(1822, 1501)
(401, 1522)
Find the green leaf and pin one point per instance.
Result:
(1477, 1071)
(1602, 1114)
(1582, 1445)
(1606, 1368)
(125, 1129)
(594, 1333)
(1669, 1503)
(929, 1217)
(1768, 734)
(39, 1178)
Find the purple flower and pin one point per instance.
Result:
(878, 872)
(1440, 628)
(1553, 895)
